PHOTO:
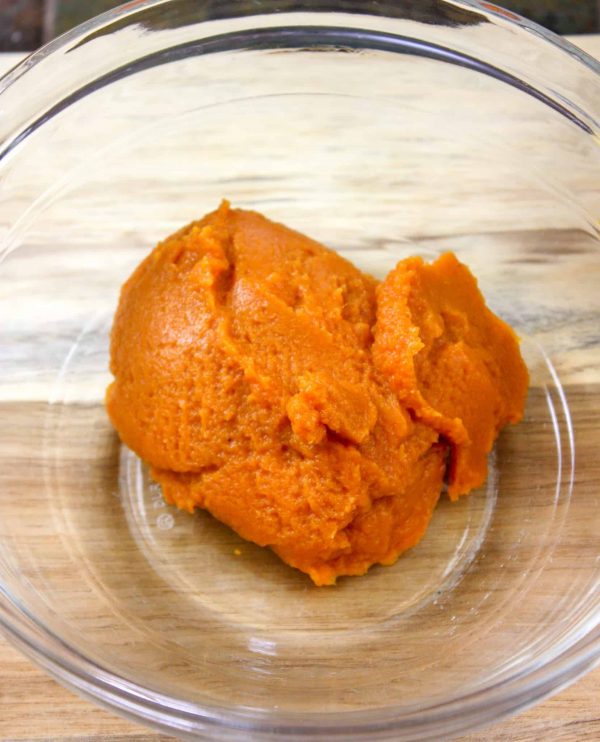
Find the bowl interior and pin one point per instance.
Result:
(380, 154)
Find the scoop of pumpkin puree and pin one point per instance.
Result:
(264, 378)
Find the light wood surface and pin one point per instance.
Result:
(35, 707)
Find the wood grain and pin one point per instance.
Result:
(35, 707)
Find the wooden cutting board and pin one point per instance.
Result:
(35, 707)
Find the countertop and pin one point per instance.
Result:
(35, 707)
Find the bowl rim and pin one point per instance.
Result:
(456, 715)
(440, 720)
(133, 7)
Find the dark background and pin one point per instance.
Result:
(25, 24)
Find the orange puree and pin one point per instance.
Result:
(453, 364)
(267, 380)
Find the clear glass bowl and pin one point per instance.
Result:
(383, 129)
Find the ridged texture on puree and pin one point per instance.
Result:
(267, 380)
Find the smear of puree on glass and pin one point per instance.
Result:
(306, 405)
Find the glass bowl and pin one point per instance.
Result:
(382, 129)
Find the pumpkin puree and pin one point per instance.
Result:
(312, 409)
